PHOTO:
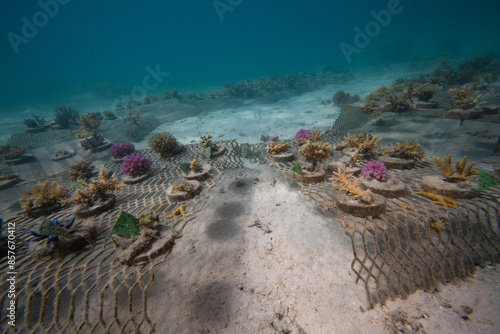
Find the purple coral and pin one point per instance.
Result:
(135, 164)
(375, 170)
(302, 135)
(122, 149)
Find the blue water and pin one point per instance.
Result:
(202, 47)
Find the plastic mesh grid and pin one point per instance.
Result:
(91, 292)
(399, 252)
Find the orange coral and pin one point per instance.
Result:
(275, 148)
(352, 188)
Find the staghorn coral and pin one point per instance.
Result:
(65, 116)
(363, 142)
(95, 191)
(133, 118)
(121, 149)
(302, 135)
(276, 148)
(316, 135)
(375, 170)
(80, 170)
(163, 143)
(90, 122)
(352, 188)
(407, 150)
(206, 141)
(315, 152)
(463, 98)
(135, 164)
(44, 195)
(182, 185)
(35, 122)
(8, 152)
(440, 199)
(462, 171)
(399, 102)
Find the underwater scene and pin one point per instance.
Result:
(231, 166)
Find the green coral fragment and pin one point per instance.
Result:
(297, 169)
(208, 152)
(185, 167)
(487, 180)
(126, 226)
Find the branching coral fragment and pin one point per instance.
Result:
(276, 148)
(461, 169)
(95, 191)
(440, 199)
(352, 188)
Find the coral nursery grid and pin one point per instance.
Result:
(401, 251)
(90, 291)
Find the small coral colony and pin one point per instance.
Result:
(360, 173)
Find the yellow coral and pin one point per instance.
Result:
(96, 190)
(463, 171)
(364, 142)
(440, 199)
(90, 122)
(316, 135)
(352, 188)
(275, 148)
(44, 194)
(179, 211)
(315, 152)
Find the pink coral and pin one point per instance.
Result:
(375, 170)
(122, 149)
(135, 164)
(302, 135)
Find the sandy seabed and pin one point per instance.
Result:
(262, 258)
